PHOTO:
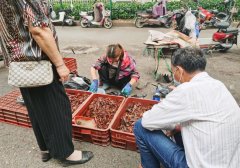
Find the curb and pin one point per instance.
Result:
(118, 23)
(2, 64)
(130, 23)
(124, 23)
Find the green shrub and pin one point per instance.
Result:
(127, 10)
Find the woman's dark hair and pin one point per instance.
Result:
(190, 59)
(114, 51)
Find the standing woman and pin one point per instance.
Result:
(116, 68)
(26, 33)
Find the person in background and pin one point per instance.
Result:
(160, 8)
(205, 112)
(98, 9)
(116, 68)
(26, 33)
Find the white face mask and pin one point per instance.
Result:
(176, 81)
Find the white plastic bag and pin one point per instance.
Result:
(190, 21)
(53, 15)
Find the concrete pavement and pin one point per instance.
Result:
(18, 148)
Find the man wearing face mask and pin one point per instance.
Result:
(206, 112)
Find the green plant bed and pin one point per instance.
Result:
(127, 10)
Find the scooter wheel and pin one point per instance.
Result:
(83, 23)
(169, 25)
(107, 23)
(139, 23)
(223, 50)
(70, 23)
(226, 45)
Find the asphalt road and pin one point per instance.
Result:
(18, 148)
(127, 36)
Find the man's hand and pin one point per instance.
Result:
(63, 72)
(170, 133)
(172, 87)
(176, 130)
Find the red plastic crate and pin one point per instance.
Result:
(20, 120)
(94, 135)
(100, 138)
(6, 99)
(126, 140)
(13, 112)
(16, 117)
(103, 141)
(6, 114)
(80, 92)
(71, 63)
(121, 143)
(1, 115)
(10, 109)
(14, 121)
(8, 103)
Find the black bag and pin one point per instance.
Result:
(73, 84)
(183, 29)
(186, 31)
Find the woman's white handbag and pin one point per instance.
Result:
(30, 74)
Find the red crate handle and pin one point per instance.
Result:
(124, 137)
(84, 131)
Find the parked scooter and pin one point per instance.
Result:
(208, 18)
(147, 18)
(222, 40)
(98, 17)
(64, 16)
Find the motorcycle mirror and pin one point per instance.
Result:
(226, 1)
(71, 5)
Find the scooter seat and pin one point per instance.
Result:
(215, 11)
(90, 12)
(222, 25)
(194, 12)
(149, 11)
(83, 13)
(230, 30)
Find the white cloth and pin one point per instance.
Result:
(210, 120)
(158, 38)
